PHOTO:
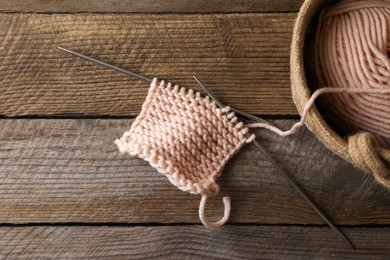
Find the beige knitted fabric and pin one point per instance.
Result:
(187, 138)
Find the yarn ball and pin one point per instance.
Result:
(351, 50)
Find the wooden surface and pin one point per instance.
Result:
(66, 192)
(71, 171)
(151, 6)
(188, 242)
(231, 53)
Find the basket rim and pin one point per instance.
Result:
(300, 89)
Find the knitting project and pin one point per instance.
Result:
(187, 138)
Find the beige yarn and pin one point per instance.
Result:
(360, 149)
(187, 138)
(351, 51)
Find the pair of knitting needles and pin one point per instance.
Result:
(256, 143)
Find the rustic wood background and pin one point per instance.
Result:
(66, 192)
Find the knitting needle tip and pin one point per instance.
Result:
(239, 112)
(106, 64)
(63, 49)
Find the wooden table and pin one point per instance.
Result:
(66, 191)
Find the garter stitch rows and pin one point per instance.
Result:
(187, 138)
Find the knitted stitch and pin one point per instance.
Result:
(187, 138)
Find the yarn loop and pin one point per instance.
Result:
(219, 223)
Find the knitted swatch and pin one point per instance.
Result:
(187, 138)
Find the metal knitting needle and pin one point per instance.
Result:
(234, 110)
(107, 65)
(284, 174)
(148, 79)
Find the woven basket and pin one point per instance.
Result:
(361, 149)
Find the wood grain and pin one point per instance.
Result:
(243, 58)
(151, 6)
(190, 242)
(71, 171)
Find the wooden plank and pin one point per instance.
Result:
(244, 58)
(71, 171)
(151, 6)
(194, 242)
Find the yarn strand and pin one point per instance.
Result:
(310, 104)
